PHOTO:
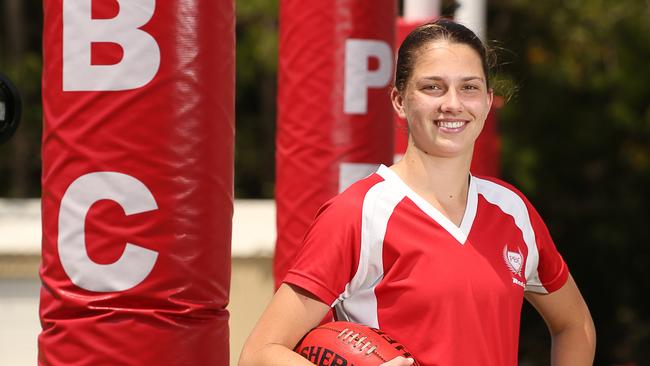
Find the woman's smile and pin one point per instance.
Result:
(451, 125)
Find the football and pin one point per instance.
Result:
(349, 344)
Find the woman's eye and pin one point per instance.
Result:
(432, 87)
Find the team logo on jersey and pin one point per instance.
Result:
(514, 260)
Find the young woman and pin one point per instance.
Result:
(437, 258)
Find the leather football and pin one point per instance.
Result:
(349, 344)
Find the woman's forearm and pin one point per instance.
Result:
(574, 346)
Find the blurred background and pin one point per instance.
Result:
(575, 130)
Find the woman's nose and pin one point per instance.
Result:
(451, 102)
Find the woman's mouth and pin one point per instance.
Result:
(451, 126)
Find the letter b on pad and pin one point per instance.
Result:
(141, 52)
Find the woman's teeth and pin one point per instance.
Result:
(449, 124)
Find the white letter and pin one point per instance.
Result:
(141, 53)
(135, 263)
(357, 76)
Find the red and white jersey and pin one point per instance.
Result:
(383, 256)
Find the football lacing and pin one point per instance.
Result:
(350, 336)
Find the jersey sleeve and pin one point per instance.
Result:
(330, 251)
(551, 272)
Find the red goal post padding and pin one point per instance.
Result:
(137, 195)
(335, 121)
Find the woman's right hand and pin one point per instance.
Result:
(399, 361)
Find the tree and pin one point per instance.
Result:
(575, 139)
(257, 56)
(20, 59)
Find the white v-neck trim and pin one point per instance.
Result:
(461, 232)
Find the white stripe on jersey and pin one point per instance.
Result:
(378, 206)
(471, 208)
(459, 233)
(510, 203)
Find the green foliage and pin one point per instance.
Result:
(24, 148)
(20, 60)
(576, 139)
(257, 58)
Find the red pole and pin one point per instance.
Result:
(137, 197)
(334, 111)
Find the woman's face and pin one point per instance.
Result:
(446, 99)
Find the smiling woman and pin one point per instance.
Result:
(425, 247)
(446, 100)
(10, 109)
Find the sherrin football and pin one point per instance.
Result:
(349, 344)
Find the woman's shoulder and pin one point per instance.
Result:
(497, 181)
(499, 188)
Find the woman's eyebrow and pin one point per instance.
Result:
(464, 78)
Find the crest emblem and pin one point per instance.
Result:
(514, 260)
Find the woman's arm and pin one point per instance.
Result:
(569, 322)
(291, 313)
(289, 316)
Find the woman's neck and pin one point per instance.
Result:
(443, 181)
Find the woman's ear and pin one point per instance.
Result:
(490, 96)
(398, 102)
